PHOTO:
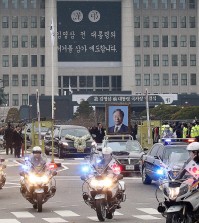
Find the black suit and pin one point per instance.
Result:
(123, 129)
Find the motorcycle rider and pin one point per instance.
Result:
(36, 158)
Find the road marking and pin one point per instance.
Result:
(66, 213)
(93, 218)
(23, 214)
(9, 221)
(54, 220)
(148, 210)
(146, 217)
(117, 213)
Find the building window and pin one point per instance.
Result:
(5, 61)
(14, 4)
(192, 22)
(85, 82)
(24, 99)
(33, 21)
(24, 4)
(193, 79)
(15, 80)
(33, 41)
(155, 41)
(184, 79)
(42, 41)
(146, 41)
(165, 22)
(137, 41)
(5, 22)
(33, 4)
(33, 80)
(116, 83)
(42, 60)
(24, 80)
(136, 4)
(6, 96)
(165, 79)
(5, 4)
(192, 4)
(174, 79)
(154, 4)
(173, 21)
(15, 22)
(15, 100)
(137, 22)
(165, 60)
(137, 60)
(156, 80)
(173, 4)
(145, 4)
(5, 80)
(42, 4)
(183, 60)
(42, 80)
(14, 41)
(138, 79)
(192, 41)
(155, 22)
(164, 41)
(42, 22)
(164, 4)
(24, 60)
(14, 60)
(147, 60)
(182, 4)
(183, 41)
(24, 41)
(183, 22)
(193, 60)
(156, 60)
(102, 82)
(5, 41)
(146, 79)
(146, 22)
(174, 42)
(33, 60)
(24, 22)
(174, 60)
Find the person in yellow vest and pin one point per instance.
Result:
(193, 130)
(184, 130)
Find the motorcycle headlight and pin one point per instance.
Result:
(34, 179)
(173, 192)
(101, 183)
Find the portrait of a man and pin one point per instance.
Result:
(118, 119)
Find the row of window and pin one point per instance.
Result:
(23, 4)
(24, 21)
(165, 79)
(164, 4)
(146, 61)
(15, 81)
(24, 41)
(164, 41)
(24, 60)
(15, 99)
(164, 21)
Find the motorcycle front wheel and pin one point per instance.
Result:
(175, 218)
(101, 210)
(39, 202)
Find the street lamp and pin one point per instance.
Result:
(30, 113)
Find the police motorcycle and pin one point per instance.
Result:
(37, 182)
(180, 194)
(2, 173)
(101, 190)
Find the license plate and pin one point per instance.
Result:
(39, 191)
(99, 196)
(129, 167)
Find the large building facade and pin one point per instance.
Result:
(100, 46)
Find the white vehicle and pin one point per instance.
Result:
(180, 192)
(103, 192)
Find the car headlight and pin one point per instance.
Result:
(101, 183)
(64, 143)
(173, 192)
(94, 144)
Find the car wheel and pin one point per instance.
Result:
(60, 155)
(145, 178)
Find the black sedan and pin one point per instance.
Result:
(157, 156)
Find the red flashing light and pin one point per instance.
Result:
(52, 166)
(116, 169)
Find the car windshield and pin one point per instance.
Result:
(129, 146)
(169, 150)
(74, 132)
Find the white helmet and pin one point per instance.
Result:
(106, 150)
(36, 149)
(194, 146)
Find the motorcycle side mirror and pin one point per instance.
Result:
(21, 174)
(2, 159)
(83, 178)
(54, 173)
(3, 166)
(120, 177)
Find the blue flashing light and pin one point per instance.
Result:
(160, 172)
(85, 169)
(167, 140)
(98, 161)
(25, 167)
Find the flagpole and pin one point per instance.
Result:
(148, 121)
(38, 116)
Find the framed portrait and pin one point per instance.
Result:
(117, 119)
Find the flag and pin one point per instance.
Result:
(69, 88)
(52, 32)
(193, 168)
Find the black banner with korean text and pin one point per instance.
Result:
(88, 31)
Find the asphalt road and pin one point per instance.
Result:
(67, 205)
